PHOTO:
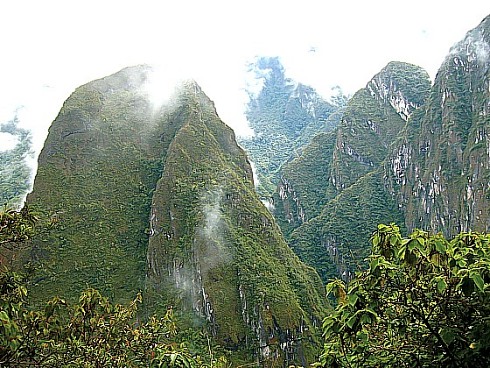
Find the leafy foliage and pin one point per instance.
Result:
(90, 333)
(424, 301)
(16, 226)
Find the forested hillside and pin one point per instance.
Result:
(161, 199)
(284, 115)
(329, 222)
(15, 174)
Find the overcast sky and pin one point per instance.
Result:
(51, 47)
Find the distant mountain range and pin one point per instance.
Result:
(404, 151)
(163, 199)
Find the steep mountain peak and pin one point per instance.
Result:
(162, 200)
(343, 199)
(402, 85)
(439, 172)
(475, 45)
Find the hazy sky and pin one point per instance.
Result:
(51, 47)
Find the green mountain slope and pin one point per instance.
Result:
(349, 168)
(305, 187)
(439, 170)
(96, 175)
(336, 241)
(162, 200)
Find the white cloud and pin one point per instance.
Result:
(64, 44)
(7, 141)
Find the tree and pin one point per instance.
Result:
(90, 333)
(16, 226)
(424, 301)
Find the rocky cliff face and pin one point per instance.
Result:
(438, 171)
(373, 118)
(162, 199)
(305, 184)
(349, 169)
(409, 153)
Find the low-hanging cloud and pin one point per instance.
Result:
(7, 141)
(214, 250)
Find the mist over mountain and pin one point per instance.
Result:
(15, 172)
(162, 200)
(142, 187)
(284, 116)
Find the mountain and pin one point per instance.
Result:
(304, 187)
(15, 173)
(404, 152)
(439, 170)
(284, 116)
(162, 199)
(333, 196)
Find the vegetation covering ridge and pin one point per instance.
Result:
(284, 116)
(349, 171)
(92, 332)
(163, 201)
(438, 171)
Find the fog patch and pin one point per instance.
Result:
(16, 160)
(160, 85)
(255, 174)
(269, 204)
(474, 47)
(213, 250)
(7, 141)
(255, 77)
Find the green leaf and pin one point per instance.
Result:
(477, 279)
(4, 316)
(352, 321)
(365, 318)
(353, 299)
(441, 285)
(412, 244)
(374, 264)
(447, 335)
(440, 246)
